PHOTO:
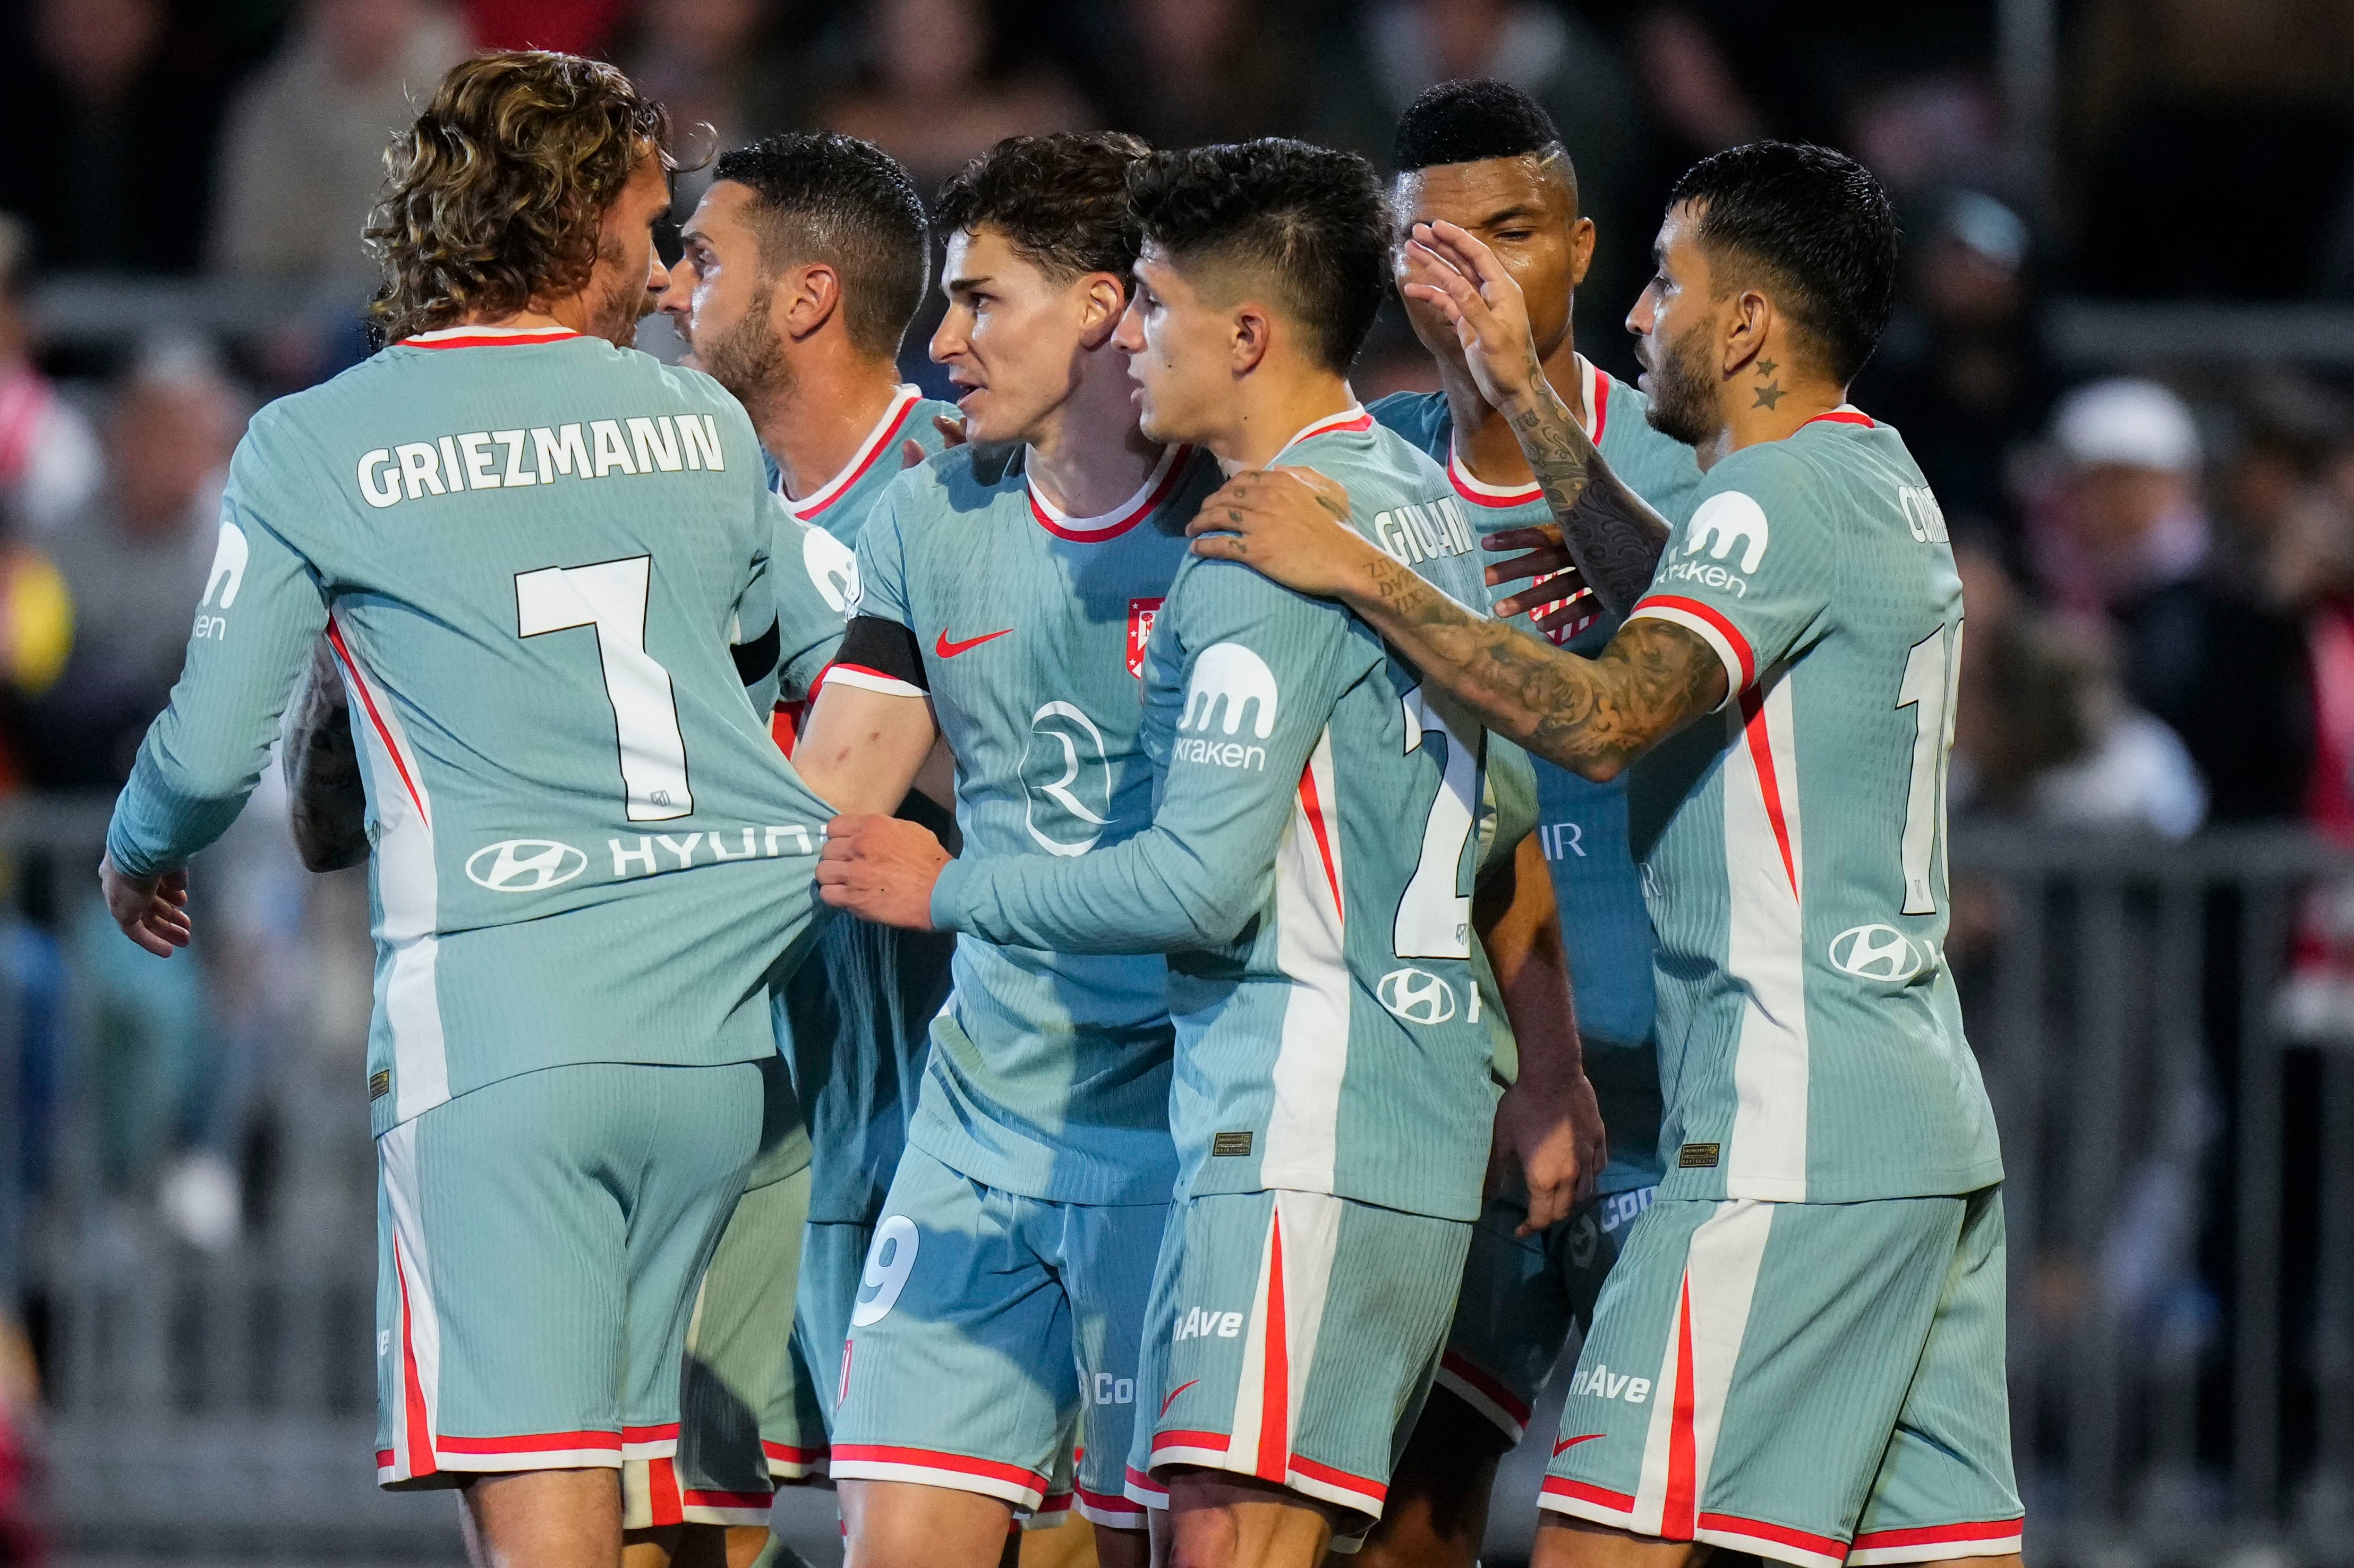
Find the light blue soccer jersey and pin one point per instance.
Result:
(1811, 1036)
(855, 1020)
(528, 550)
(1308, 870)
(1048, 1074)
(1582, 825)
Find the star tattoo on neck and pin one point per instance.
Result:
(1769, 395)
(1765, 367)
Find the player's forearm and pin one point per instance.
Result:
(1518, 925)
(1612, 533)
(170, 809)
(1149, 895)
(1592, 716)
(326, 796)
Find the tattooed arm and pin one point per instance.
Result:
(327, 802)
(1612, 535)
(1592, 716)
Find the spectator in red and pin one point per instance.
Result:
(49, 454)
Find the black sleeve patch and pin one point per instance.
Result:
(756, 661)
(881, 648)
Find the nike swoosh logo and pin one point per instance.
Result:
(948, 650)
(1573, 1442)
(1174, 1393)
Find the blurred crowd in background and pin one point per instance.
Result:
(2159, 576)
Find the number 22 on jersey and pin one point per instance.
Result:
(610, 596)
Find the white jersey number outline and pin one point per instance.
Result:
(610, 596)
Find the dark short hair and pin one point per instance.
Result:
(1469, 121)
(495, 196)
(1060, 200)
(1312, 221)
(819, 195)
(1816, 225)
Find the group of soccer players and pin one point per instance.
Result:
(1182, 1118)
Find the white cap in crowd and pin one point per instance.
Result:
(2129, 422)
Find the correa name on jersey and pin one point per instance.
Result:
(509, 459)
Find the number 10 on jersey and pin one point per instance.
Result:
(1931, 669)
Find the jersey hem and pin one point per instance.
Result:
(957, 1152)
(390, 1120)
(1954, 1184)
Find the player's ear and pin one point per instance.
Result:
(1748, 317)
(1581, 250)
(1252, 331)
(1102, 302)
(810, 297)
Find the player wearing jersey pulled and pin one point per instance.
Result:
(1007, 587)
(1800, 1352)
(527, 547)
(799, 269)
(1308, 868)
(1485, 155)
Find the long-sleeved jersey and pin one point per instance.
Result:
(1582, 825)
(529, 550)
(1309, 869)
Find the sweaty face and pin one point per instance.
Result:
(629, 278)
(1180, 351)
(719, 295)
(1521, 209)
(1011, 338)
(1674, 324)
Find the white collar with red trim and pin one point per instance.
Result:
(1120, 519)
(1845, 414)
(488, 336)
(826, 494)
(1593, 391)
(1353, 418)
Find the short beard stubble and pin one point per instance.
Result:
(1683, 389)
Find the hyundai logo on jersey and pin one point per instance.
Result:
(525, 865)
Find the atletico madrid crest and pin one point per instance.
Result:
(1140, 612)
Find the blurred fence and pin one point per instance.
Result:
(2180, 1205)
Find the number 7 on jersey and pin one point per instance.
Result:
(610, 595)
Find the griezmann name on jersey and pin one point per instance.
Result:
(1582, 825)
(1049, 1069)
(1794, 844)
(1335, 1047)
(587, 849)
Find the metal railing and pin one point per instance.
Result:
(2180, 1204)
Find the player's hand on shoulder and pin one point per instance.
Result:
(1552, 1136)
(952, 435)
(881, 869)
(152, 910)
(1290, 523)
(1449, 269)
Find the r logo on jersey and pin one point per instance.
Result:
(1141, 615)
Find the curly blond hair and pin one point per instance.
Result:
(495, 196)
